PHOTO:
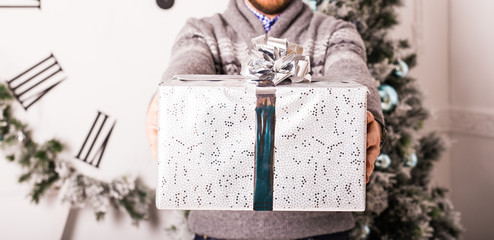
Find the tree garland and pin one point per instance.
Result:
(46, 171)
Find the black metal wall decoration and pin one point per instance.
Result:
(94, 157)
(34, 83)
(165, 4)
(20, 4)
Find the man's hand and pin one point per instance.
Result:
(373, 140)
(152, 126)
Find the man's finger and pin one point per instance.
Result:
(151, 132)
(371, 156)
(152, 126)
(370, 117)
(373, 137)
(373, 132)
(154, 151)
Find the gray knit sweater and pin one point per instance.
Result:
(217, 44)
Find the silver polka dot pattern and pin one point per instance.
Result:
(206, 147)
(320, 149)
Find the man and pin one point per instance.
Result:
(217, 44)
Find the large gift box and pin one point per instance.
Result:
(228, 143)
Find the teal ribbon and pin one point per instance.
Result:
(263, 184)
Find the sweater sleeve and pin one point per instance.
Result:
(346, 58)
(190, 53)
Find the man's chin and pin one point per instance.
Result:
(271, 7)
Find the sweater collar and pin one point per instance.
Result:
(249, 26)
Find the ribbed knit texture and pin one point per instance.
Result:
(217, 44)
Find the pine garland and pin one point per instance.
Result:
(47, 172)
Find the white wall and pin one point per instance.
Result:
(472, 113)
(455, 55)
(425, 24)
(472, 54)
(432, 34)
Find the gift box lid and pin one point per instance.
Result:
(203, 80)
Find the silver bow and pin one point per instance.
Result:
(275, 59)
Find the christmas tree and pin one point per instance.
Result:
(401, 204)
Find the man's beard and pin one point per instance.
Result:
(272, 8)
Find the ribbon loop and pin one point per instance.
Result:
(275, 59)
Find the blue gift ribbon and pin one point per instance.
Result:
(263, 184)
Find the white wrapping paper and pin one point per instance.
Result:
(207, 137)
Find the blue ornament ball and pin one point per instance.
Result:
(401, 69)
(383, 161)
(411, 160)
(389, 97)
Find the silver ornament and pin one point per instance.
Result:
(411, 160)
(401, 69)
(365, 232)
(389, 97)
(383, 161)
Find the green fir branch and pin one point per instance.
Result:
(40, 188)
(100, 216)
(25, 177)
(129, 206)
(5, 93)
